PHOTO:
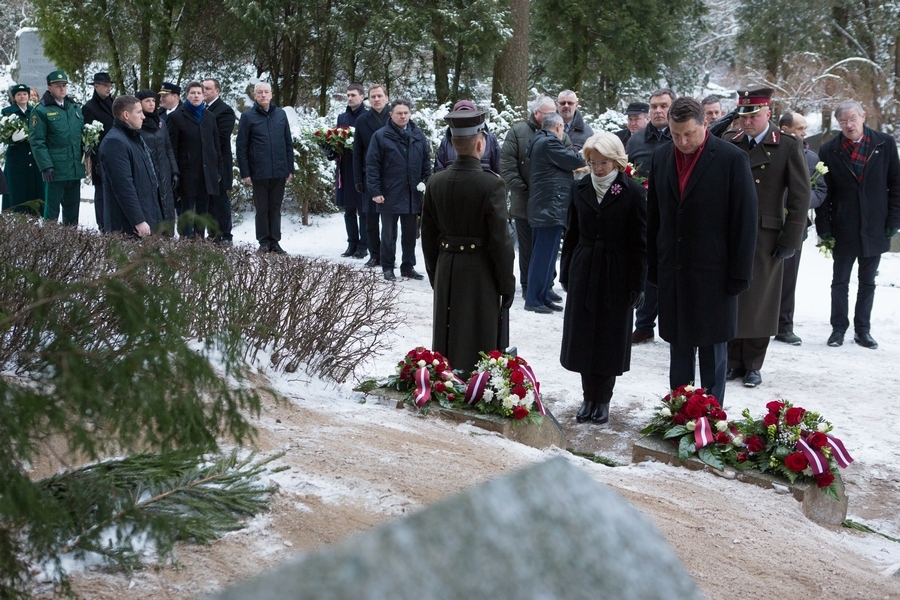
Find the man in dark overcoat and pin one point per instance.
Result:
(861, 212)
(345, 194)
(99, 108)
(782, 188)
(195, 142)
(220, 206)
(701, 235)
(366, 125)
(468, 250)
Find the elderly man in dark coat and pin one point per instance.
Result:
(468, 250)
(131, 188)
(366, 125)
(346, 195)
(861, 213)
(195, 141)
(701, 235)
(782, 187)
(552, 165)
(156, 136)
(603, 266)
(397, 166)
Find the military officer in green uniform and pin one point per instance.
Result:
(782, 186)
(56, 127)
(468, 250)
(22, 174)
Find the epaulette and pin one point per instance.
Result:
(738, 135)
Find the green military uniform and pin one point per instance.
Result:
(22, 173)
(468, 255)
(55, 136)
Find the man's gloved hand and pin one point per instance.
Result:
(359, 187)
(825, 237)
(782, 252)
(48, 174)
(175, 181)
(636, 299)
(736, 286)
(890, 231)
(506, 301)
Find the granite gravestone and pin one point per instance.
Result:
(549, 531)
(31, 66)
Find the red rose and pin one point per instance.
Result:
(794, 415)
(667, 398)
(439, 386)
(718, 414)
(519, 412)
(412, 353)
(318, 133)
(679, 419)
(755, 443)
(817, 440)
(693, 410)
(404, 374)
(451, 397)
(742, 457)
(713, 402)
(426, 356)
(770, 419)
(824, 479)
(495, 354)
(517, 377)
(519, 391)
(722, 438)
(796, 461)
(775, 406)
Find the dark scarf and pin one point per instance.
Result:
(857, 152)
(380, 116)
(195, 111)
(151, 121)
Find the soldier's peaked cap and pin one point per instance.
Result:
(466, 122)
(169, 88)
(750, 101)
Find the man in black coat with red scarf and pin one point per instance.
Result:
(701, 236)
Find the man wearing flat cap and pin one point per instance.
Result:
(55, 133)
(638, 115)
(468, 250)
(781, 177)
(99, 108)
(22, 173)
(169, 99)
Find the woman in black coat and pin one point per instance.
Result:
(156, 137)
(603, 268)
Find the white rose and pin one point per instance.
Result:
(691, 425)
(510, 401)
(421, 187)
(493, 361)
(665, 411)
(738, 440)
(721, 426)
(435, 362)
(447, 375)
(350, 141)
(689, 388)
(421, 363)
(822, 428)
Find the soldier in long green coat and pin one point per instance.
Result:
(55, 134)
(22, 174)
(468, 250)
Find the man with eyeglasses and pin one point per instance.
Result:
(574, 125)
(861, 213)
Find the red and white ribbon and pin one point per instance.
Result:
(529, 375)
(839, 453)
(475, 389)
(703, 434)
(423, 387)
(817, 461)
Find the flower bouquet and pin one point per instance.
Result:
(695, 421)
(794, 443)
(819, 170)
(425, 375)
(505, 385)
(90, 135)
(826, 246)
(337, 139)
(632, 172)
(12, 129)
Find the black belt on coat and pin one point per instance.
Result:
(452, 243)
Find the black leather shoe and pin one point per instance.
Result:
(553, 296)
(584, 413)
(276, 248)
(349, 251)
(600, 414)
(639, 337)
(752, 378)
(865, 340)
(360, 253)
(524, 291)
(554, 307)
(543, 310)
(263, 248)
(836, 338)
(373, 262)
(412, 274)
(732, 374)
(789, 337)
(389, 275)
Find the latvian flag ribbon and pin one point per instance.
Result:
(423, 387)
(703, 435)
(475, 389)
(817, 461)
(529, 375)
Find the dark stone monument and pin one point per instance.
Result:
(548, 531)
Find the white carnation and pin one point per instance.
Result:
(689, 388)
(665, 411)
(721, 426)
(822, 428)
(691, 425)
(488, 395)
(435, 362)
(510, 401)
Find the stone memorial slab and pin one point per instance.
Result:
(31, 66)
(549, 531)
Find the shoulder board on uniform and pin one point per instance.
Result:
(734, 135)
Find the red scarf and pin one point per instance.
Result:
(685, 163)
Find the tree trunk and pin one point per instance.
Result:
(457, 70)
(511, 64)
(441, 75)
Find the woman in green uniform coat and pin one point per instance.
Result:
(22, 174)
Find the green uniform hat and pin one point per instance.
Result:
(57, 77)
(19, 87)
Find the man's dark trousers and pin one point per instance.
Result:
(66, 193)
(840, 290)
(355, 223)
(268, 194)
(220, 209)
(712, 367)
(408, 227)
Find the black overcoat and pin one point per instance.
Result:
(696, 243)
(366, 126)
(197, 151)
(397, 161)
(130, 186)
(604, 258)
(468, 257)
(345, 194)
(156, 136)
(550, 179)
(225, 120)
(264, 145)
(857, 212)
(98, 109)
